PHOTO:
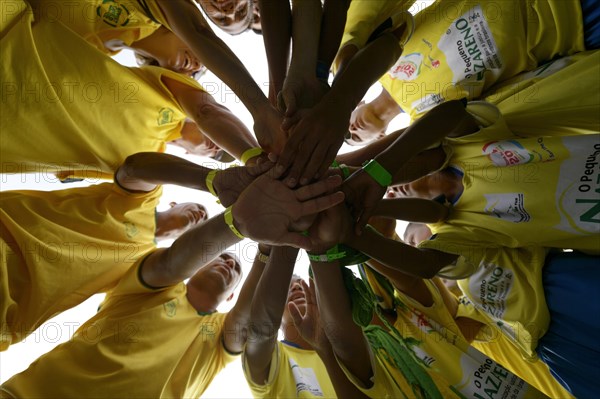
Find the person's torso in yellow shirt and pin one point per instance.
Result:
(561, 97)
(499, 347)
(437, 341)
(462, 47)
(73, 108)
(364, 16)
(522, 192)
(294, 373)
(507, 287)
(101, 22)
(142, 343)
(60, 247)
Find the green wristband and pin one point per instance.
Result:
(345, 171)
(378, 173)
(332, 254)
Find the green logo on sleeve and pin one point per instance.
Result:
(165, 115)
(130, 229)
(113, 13)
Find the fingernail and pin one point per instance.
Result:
(291, 182)
(279, 170)
(303, 181)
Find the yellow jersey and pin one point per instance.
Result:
(60, 116)
(142, 343)
(462, 47)
(57, 248)
(294, 373)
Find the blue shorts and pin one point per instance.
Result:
(571, 347)
(591, 23)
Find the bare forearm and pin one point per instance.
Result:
(346, 337)
(332, 29)
(276, 21)
(187, 23)
(272, 290)
(370, 151)
(238, 318)
(368, 65)
(266, 311)
(226, 130)
(441, 121)
(145, 170)
(411, 210)
(306, 30)
(395, 254)
(343, 387)
(189, 253)
(420, 165)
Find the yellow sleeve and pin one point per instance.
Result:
(384, 384)
(364, 16)
(264, 390)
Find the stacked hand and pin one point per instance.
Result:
(229, 183)
(313, 144)
(267, 210)
(362, 195)
(267, 128)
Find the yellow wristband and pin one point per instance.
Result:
(229, 220)
(209, 181)
(262, 257)
(251, 153)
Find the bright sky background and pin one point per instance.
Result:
(230, 383)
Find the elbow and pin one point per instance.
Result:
(264, 323)
(209, 109)
(436, 261)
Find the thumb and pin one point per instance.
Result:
(260, 168)
(295, 314)
(290, 104)
(296, 240)
(281, 105)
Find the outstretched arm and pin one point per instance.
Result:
(310, 327)
(267, 309)
(316, 139)
(215, 120)
(301, 89)
(447, 119)
(188, 24)
(145, 170)
(332, 30)
(276, 22)
(265, 212)
(415, 210)
(347, 340)
(238, 319)
(397, 255)
(335, 226)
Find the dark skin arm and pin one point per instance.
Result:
(447, 119)
(188, 24)
(335, 226)
(310, 328)
(332, 29)
(411, 210)
(146, 170)
(267, 307)
(347, 340)
(238, 318)
(276, 22)
(215, 120)
(316, 139)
